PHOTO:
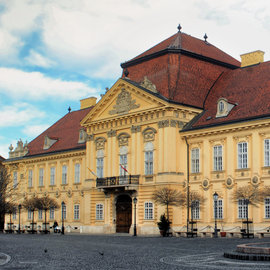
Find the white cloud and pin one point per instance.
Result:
(34, 131)
(35, 85)
(37, 59)
(19, 114)
(4, 150)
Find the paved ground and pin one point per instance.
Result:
(120, 251)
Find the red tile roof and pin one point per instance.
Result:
(249, 87)
(66, 130)
(182, 77)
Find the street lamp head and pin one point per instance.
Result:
(135, 200)
(20, 206)
(215, 196)
(63, 203)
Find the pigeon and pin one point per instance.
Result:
(101, 253)
(45, 250)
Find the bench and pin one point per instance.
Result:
(231, 234)
(187, 233)
(261, 234)
(22, 231)
(212, 234)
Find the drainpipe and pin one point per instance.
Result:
(187, 184)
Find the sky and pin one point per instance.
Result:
(55, 52)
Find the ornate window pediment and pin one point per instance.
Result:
(123, 139)
(49, 141)
(149, 134)
(100, 143)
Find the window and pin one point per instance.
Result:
(218, 158)
(99, 211)
(267, 153)
(100, 163)
(15, 179)
(30, 178)
(29, 214)
(40, 214)
(52, 212)
(123, 160)
(41, 177)
(195, 160)
(64, 211)
(242, 208)
(242, 155)
(64, 174)
(219, 209)
(76, 211)
(221, 106)
(14, 214)
(148, 210)
(77, 173)
(149, 156)
(267, 207)
(52, 176)
(195, 206)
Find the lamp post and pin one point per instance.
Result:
(215, 196)
(135, 228)
(63, 228)
(19, 207)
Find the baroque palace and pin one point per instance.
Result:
(182, 113)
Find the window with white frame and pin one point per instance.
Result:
(76, 211)
(100, 163)
(64, 211)
(52, 176)
(242, 208)
(149, 158)
(77, 173)
(195, 160)
(41, 177)
(52, 212)
(29, 214)
(148, 210)
(14, 214)
(123, 160)
(267, 207)
(219, 209)
(99, 211)
(40, 214)
(195, 207)
(242, 155)
(30, 178)
(64, 174)
(217, 157)
(15, 179)
(267, 152)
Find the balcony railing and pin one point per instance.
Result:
(118, 181)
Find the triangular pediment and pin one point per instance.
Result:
(124, 98)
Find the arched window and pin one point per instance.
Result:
(148, 210)
(99, 211)
(100, 163)
(149, 158)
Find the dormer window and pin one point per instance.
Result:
(224, 107)
(48, 142)
(82, 136)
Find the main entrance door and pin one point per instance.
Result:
(123, 214)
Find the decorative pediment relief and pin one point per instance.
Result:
(90, 137)
(111, 133)
(124, 103)
(123, 138)
(100, 143)
(163, 123)
(135, 129)
(149, 134)
(148, 85)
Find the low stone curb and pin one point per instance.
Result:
(258, 257)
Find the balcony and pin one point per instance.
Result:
(117, 181)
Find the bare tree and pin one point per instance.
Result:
(31, 204)
(168, 197)
(10, 208)
(46, 203)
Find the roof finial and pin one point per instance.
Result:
(205, 37)
(126, 72)
(69, 109)
(179, 28)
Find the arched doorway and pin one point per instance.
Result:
(123, 214)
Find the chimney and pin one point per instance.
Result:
(88, 102)
(253, 58)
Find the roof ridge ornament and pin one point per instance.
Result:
(205, 37)
(179, 28)
(148, 85)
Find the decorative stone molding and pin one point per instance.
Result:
(255, 180)
(81, 193)
(229, 182)
(124, 103)
(69, 193)
(57, 193)
(45, 194)
(163, 123)
(148, 85)
(206, 184)
(123, 139)
(111, 133)
(148, 134)
(100, 143)
(20, 151)
(135, 129)
(90, 137)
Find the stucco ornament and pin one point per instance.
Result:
(148, 85)
(124, 103)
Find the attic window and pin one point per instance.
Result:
(82, 136)
(48, 142)
(224, 107)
